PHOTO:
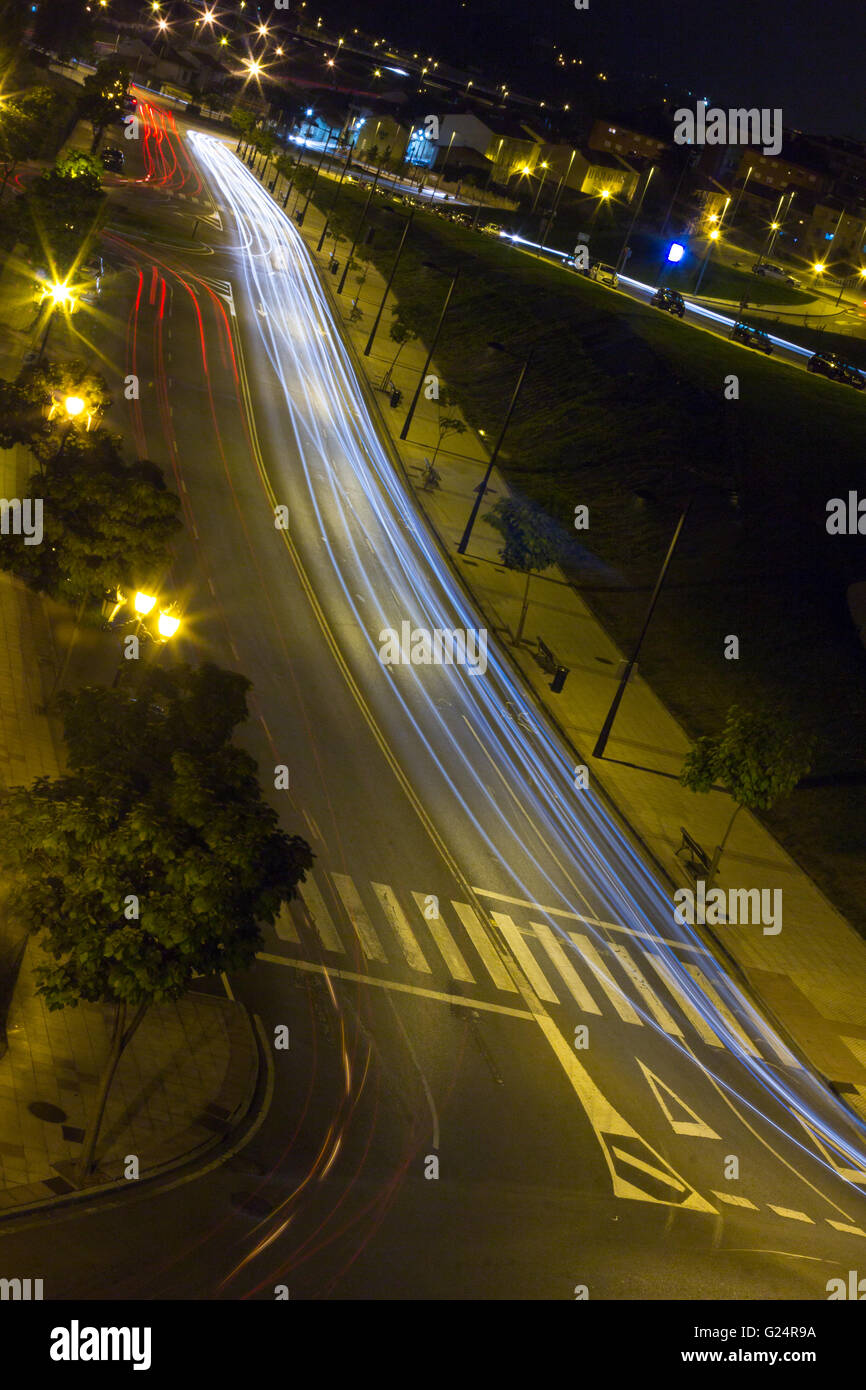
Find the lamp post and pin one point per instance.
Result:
(622, 256)
(380, 310)
(604, 735)
(740, 194)
(482, 489)
(712, 237)
(61, 297)
(299, 216)
(545, 167)
(411, 412)
(487, 185)
(343, 173)
(358, 230)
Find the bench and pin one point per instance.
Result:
(698, 860)
(550, 662)
(547, 659)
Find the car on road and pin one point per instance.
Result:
(750, 336)
(605, 274)
(112, 158)
(671, 300)
(492, 227)
(774, 272)
(829, 365)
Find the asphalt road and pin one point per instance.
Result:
(511, 1072)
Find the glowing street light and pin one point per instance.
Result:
(144, 603)
(167, 625)
(74, 405)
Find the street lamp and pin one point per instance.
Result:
(482, 489)
(380, 310)
(359, 229)
(545, 167)
(407, 422)
(621, 259)
(61, 297)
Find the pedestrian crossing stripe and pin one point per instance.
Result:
(400, 923)
(446, 945)
(693, 1126)
(508, 955)
(732, 1200)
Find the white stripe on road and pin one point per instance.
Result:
(358, 916)
(480, 940)
(608, 984)
(573, 983)
(524, 956)
(400, 923)
(320, 916)
(445, 942)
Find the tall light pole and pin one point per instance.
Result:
(411, 412)
(358, 230)
(379, 311)
(604, 735)
(545, 167)
(740, 194)
(621, 259)
(487, 184)
(345, 170)
(482, 488)
(299, 216)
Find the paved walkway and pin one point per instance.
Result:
(189, 1073)
(811, 977)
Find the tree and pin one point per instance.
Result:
(447, 424)
(154, 859)
(51, 383)
(105, 522)
(27, 126)
(103, 96)
(61, 210)
(532, 542)
(757, 758)
(400, 333)
(243, 122)
(22, 416)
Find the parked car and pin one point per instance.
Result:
(492, 227)
(112, 158)
(671, 300)
(605, 274)
(774, 272)
(752, 337)
(829, 365)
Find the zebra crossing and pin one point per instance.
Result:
(416, 932)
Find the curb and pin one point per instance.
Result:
(226, 1127)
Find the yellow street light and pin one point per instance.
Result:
(74, 406)
(254, 67)
(60, 294)
(167, 625)
(605, 193)
(818, 268)
(143, 603)
(715, 234)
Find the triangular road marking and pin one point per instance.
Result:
(694, 1126)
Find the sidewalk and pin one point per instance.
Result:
(810, 979)
(189, 1074)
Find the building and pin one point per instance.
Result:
(610, 138)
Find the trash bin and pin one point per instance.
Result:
(396, 397)
(334, 267)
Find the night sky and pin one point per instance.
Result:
(806, 57)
